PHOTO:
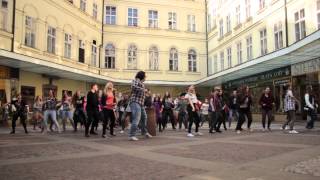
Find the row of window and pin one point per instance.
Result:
(110, 58)
(4, 14)
(30, 41)
(153, 18)
(83, 7)
(110, 51)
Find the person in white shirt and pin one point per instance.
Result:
(204, 112)
(193, 111)
(310, 107)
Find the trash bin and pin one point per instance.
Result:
(151, 122)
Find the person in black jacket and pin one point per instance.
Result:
(167, 111)
(233, 107)
(20, 111)
(245, 102)
(108, 102)
(92, 110)
(79, 114)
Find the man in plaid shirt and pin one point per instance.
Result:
(289, 108)
(138, 111)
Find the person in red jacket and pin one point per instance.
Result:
(267, 102)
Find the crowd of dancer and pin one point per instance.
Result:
(113, 109)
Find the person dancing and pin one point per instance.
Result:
(193, 111)
(92, 110)
(20, 112)
(79, 114)
(108, 102)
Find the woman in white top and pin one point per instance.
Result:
(193, 109)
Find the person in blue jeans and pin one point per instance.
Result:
(49, 107)
(138, 111)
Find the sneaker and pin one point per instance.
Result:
(190, 135)
(263, 129)
(148, 135)
(93, 133)
(293, 132)
(238, 131)
(12, 132)
(250, 130)
(269, 129)
(103, 136)
(121, 132)
(199, 134)
(86, 135)
(133, 138)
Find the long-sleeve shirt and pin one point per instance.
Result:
(309, 101)
(289, 102)
(92, 101)
(266, 102)
(137, 92)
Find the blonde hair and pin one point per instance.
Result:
(109, 86)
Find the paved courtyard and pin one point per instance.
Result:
(170, 155)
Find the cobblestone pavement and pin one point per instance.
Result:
(170, 155)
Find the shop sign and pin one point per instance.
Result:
(261, 77)
(282, 82)
(306, 67)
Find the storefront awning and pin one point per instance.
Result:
(306, 49)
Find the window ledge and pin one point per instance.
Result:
(153, 71)
(173, 72)
(228, 33)
(173, 30)
(193, 73)
(220, 38)
(261, 10)
(130, 70)
(238, 26)
(51, 55)
(109, 70)
(249, 19)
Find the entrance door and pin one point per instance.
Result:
(28, 95)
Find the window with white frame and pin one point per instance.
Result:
(249, 47)
(30, 32)
(214, 18)
(67, 45)
(110, 56)
(263, 42)
(239, 52)
(94, 53)
(51, 40)
(192, 61)
(173, 60)
(221, 61)
(210, 65)
(262, 4)
(221, 28)
(111, 15)
(191, 23)
(229, 57)
(172, 20)
(132, 17)
(209, 21)
(153, 58)
(238, 15)
(228, 19)
(153, 19)
(278, 41)
(81, 51)
(215, 64)
(318, 13)
(132, 57)
(300, 24)
(83, 5)
(248, 8)
(95, 10)
(4, 15)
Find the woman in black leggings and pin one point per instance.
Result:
(193, 109)
(108, 102)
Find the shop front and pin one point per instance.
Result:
(9, 83)
(306, 74)
(277, 80)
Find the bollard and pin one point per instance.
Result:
(151, 121)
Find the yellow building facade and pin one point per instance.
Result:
(69, 44)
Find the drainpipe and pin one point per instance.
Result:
(102, 36)
(13, 24)
(207, 51)
(286, 22)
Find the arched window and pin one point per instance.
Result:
(110, 56)
(173, 60)
(192, 61)
(132, 57)
(153, 58)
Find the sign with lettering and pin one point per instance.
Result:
(306, 67)
(261, 77)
